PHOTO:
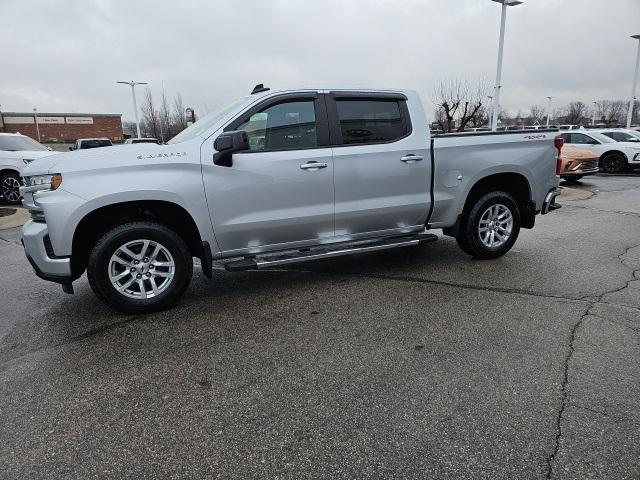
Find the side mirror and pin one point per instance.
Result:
(227, 144)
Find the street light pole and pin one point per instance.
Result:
(35, 118)
(549, 111)
(593, 116)
(133, 84)
(635, 82)
(490, 111)
(498, 86)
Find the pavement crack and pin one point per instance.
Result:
(564, 385)
(517, 291)
(569, 355)
(12, 242)
(76, 338)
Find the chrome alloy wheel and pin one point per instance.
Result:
(11, 189)
(141, 269)
(496, 224)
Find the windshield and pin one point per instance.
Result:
(634, 133)
(19, 143)
(207, 122)
(602, 138)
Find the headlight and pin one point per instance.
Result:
(36, 183)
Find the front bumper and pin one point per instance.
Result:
(549, 204)
(46, 265)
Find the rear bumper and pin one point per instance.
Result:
(549, 204)
(54, 269)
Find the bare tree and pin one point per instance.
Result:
(165, 119)
(458, 105)
(537, 114)
(610, 112)
(150, 116)
(576, 113)
(179, 119)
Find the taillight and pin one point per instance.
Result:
(559, 143)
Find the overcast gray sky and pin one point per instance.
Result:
(67, 55)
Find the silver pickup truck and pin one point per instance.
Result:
(277, 178)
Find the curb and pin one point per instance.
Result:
(14, 220)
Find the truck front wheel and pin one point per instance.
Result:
(490, 227)
(140, 267)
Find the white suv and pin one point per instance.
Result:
(16, 151)
(622, 135)
(614, 157)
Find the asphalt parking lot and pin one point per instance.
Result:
(414, 363)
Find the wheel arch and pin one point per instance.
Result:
(97, 222)
(513, 183)
(613, 152)
(5, 170)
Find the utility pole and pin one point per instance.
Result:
(35, 118)
(549, 111)
(593, 116)
(490, 97)
(133, 84)
(498, 86)
(632, 102)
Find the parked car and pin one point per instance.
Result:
(130, 141)
(16, 151)
(84, 143)
(334, 172)
(570, 127)
(622, 135)
(577, 162)
(613, 157)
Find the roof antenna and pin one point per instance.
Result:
(259, 89)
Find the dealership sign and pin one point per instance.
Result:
(80, 120)
(18, 120)
(56, 120)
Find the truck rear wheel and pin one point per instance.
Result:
(140, 267)
(490, 227)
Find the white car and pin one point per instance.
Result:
(621, 135)
(131, 141)
(16, 151)
(614, 157)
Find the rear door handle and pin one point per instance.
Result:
(313, 165)
(411, 158)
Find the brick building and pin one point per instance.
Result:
(63, 127)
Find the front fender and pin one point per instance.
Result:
(84, 192)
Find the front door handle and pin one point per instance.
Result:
(313, 165)
(411, 158)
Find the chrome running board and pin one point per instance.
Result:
(319, 253)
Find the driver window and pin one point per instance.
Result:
(283, 126)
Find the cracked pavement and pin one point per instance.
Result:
(410, 363)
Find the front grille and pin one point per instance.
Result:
(48, 247)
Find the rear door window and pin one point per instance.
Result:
(367, 121)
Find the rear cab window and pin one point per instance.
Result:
(367, 119)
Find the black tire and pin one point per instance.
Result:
(573, 179)
(98, 267)
(613, 163)
(469, 235)
(10, 184)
